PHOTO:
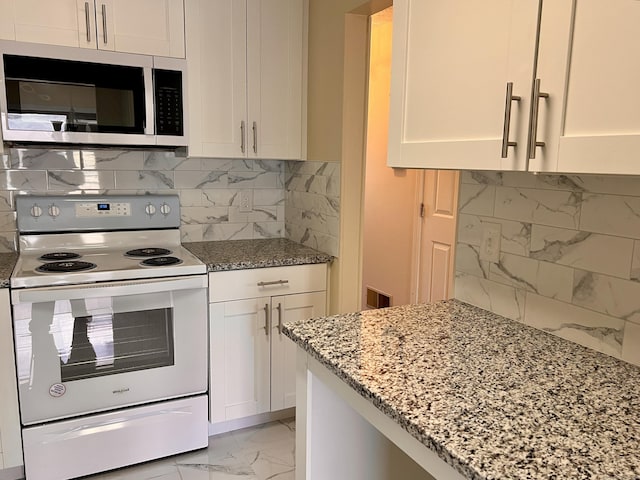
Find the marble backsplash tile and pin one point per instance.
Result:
(569, 260)
(209, 190)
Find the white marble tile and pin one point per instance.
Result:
(611, 214)
(257, 214)
(477, 199)
(315, 239)
(201, 180)
(26, 180)
(546, 207)
(256, 179)
(481, 177)
(276, 166)
(314, 220)
(609, 295)
(169, 161)
(41, 159)
(501, 299)
(6, 201)
(227, 231)
(227, 164)
(635, 263)
(590, 329)
(7, 221)
(145, 179)
(113, 159)
(585, 250)
(191, 233)
(221, 197)
(268, 229)
(315, 204)
(268, 196)
(204, 215)
(468, 261)
(191, 198)
(307, 183)
(8, 241)
(548, 279)
(80, 179)
(631, 343)
(609, 184)
(514, 236)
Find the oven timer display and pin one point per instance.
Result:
(85, 209)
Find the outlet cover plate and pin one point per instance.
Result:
(490, 246)
(246, 201)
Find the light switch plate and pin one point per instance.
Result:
(246, 201)
(490, 246)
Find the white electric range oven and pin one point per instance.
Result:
(110, 333)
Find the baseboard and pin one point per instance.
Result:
(12, 473)
(237, 424)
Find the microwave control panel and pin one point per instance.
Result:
(168, 101)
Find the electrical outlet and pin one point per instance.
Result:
(246, 201)
(490, 246)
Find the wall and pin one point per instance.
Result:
(208, 189)
(569, 260)
(389, 195)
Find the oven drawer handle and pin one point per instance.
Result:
(275, 282)
(114, 289)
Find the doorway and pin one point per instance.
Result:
(409, 216)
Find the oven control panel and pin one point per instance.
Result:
(73, 213)
(103, 209)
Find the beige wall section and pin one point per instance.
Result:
(390, 207)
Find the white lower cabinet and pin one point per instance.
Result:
(10, 443)
(252, 363)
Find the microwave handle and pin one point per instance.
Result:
(115, 289)
(149, 101)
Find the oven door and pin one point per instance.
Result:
(83, 349)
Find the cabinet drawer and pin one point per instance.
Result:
(267, 282)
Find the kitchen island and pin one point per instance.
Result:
(464, 393)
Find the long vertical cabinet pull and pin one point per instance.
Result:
(104, 24)
(242, 144)
(255, 137)
(510, 98)
(279, 308)
(87, 20)
(266, 319)
(533, 123)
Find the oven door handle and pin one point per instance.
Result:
(112, 289)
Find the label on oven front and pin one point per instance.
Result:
(57, 390)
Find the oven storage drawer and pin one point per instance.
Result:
(94, 444)
(272, 281)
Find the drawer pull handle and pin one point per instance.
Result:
(275, 282)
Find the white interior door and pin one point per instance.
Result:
(452, 61)
(284, 309)
(239, 356)
(589, 64)
(438, 236)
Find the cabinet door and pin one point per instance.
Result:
(451, 62)
(275, 78)
(239, 359)
(216, 58)
(284, 309)
(9, 417)
(44, 21)
(151, 27)
(589, 64)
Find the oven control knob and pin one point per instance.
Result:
(165, 209)
(54, 210)
(150, 209)
(36, 211)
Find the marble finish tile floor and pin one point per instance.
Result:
(264, 452)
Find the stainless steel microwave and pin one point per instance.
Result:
(67, 95)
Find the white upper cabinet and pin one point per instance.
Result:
(151, 27)
(451, 63)
(577, 109)
(589, 64)
(246, 78)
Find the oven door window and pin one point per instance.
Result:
(94, 337)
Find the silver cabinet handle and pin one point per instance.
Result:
(87, 20)
(266, 319)
(104, 23)
(533, 120)
(275, 282)
(279, 308)
(255, 137)
(507, 119)
(242, 136)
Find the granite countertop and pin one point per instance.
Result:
(495, 399)
(260, 253)
(7, 263)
